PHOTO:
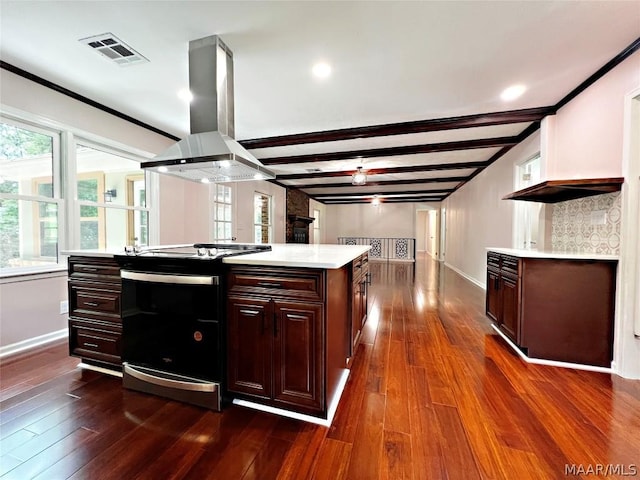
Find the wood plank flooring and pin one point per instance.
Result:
(434, 393)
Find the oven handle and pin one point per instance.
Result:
(170, 278)
(166, 382)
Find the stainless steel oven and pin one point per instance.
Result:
(173, 324)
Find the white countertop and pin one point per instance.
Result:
(281, 255)
(305, 256)
(103, 252)
(522, 253)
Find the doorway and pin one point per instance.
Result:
(528, 230)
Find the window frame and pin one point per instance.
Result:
(57, 198)
(214, 214)
(264, 226)
(64, 168)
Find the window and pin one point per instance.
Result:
(262, 218)
(30, 199)
(112, 207)
(99, 202)
(222, 213)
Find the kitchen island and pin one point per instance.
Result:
(289, 325)
(553, 306)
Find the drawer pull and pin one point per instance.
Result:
(269, 284)
(92, 304)
(249, 312)
(94, 345)
(89, 269)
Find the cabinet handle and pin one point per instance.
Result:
(89, 269)
(368, 278)
(94, 345)
(92, 304)
(269, 284)
(249, 312)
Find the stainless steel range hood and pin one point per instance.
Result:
(210, 154)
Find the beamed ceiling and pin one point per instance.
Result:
(413, 98)
(420, 161)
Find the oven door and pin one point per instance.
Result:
(172, 332)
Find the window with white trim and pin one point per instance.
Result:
(112, 208)
(222, 213)
(101, 201)
(262, 218)
(30, 196)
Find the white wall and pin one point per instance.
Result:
(366, 220)
(30, 307)
(587, 133)
(421, 230)
(478, 218)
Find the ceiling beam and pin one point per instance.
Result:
(403, 192)
(386, 200)
(418, 126)
(393, 151)
(385, 171)
(383, 183)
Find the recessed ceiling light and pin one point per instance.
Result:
(258, 176)
(321, 70)
(185, 95)
(513, 92)
(205, 180)
(163, 169)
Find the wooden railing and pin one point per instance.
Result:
(385, 248)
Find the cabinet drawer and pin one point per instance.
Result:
(83, 299)
(493, 260)
(94, 343)
(106, 269)
(291, 283)
(510, 264)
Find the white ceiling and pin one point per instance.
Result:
(393, 61)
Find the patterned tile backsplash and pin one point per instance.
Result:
(573, 229)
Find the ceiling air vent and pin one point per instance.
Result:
(110, 46)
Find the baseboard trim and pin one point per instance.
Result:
(465, 276)
(551, 363)
(31, 343)
(333, 406)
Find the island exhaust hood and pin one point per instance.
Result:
(210, 153)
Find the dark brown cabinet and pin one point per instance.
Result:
(360, 279)
(502, 302)
(276, 337)
(554, 308)
(95, 325)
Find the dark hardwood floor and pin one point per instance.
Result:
(434, 393)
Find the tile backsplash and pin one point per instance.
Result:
(587, 225)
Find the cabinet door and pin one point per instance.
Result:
(356, 316)
(510, 307)
(493, 301)
(298, 354)
(250, 336)
(364, 297)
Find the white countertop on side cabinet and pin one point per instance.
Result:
(299, 255)
(103, 252)
(522, 253)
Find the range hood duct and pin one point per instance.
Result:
(210, 153)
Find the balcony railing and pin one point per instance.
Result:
(384, 248)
